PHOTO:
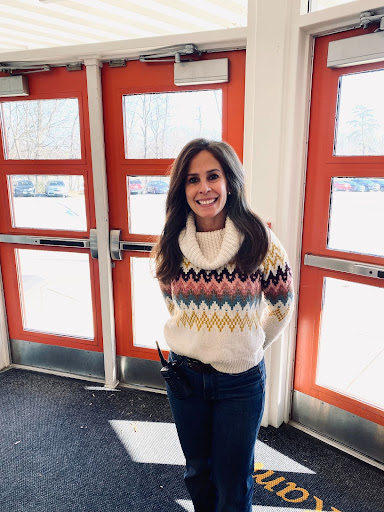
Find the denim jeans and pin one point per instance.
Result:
(217, 427)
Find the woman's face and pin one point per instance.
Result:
(206, 191)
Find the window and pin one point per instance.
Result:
(41, 129)
(318, 5)
(158, 125)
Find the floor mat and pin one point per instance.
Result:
(71, 446)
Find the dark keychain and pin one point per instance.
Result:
(174, 377)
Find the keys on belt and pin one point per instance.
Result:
(199, 367)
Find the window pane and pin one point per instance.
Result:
(317, 5)
(360, 119)
(146, 203)
(146, 296)
(158, 125)
(55, 292)
(351, 332)
(41, 129)
(356, 216)
(48, 202)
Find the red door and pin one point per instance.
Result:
(340, 345)
(47, 211)
(147, 121)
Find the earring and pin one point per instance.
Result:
(229, 193)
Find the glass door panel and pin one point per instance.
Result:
(356, 215)
(48, 202)
(147, 301)
(158, 125)
(44, 129)
(360, 114)
(146, 194)
(350, 358)
(55, 292)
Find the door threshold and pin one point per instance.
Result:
(142, 388)
(82, 377)
(337, 444)
(55, 372)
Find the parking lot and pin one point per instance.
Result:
(44, 212)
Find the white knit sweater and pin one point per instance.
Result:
(220, 315)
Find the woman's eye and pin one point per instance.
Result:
(213, 177)
(192, 179)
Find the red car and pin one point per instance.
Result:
(342, 185)
(135, 186)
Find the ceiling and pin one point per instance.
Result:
(34, 24)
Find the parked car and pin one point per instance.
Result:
(157, 187)
(380, 182)
(368, 183)
(135, 186)
(24, 188)
(356, 186)
(339, 184)
(56, 188)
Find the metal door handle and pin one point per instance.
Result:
(93, 243)
(114, 244)
(350, 267)
(45, 240)
(117, 246)
(136, 246)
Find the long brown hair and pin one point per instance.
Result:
(167, 252)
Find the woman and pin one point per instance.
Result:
(217, 265)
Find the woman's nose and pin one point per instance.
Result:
(204, 187)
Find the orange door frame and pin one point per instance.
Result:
(322, 166)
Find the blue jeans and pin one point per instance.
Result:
(217, 427)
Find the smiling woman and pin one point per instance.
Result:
(217, 263)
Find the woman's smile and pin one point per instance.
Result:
(206, 202)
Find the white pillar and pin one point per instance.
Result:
(267, 67)
(95, 105)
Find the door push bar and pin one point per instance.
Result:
(350, 267)
(90, 243)
(117, 245)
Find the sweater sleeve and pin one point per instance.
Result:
(278, 293)
(166, 290)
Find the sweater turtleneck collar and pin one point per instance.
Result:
(190, 248)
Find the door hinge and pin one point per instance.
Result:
(117, 63)
(74, 67)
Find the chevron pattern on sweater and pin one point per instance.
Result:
(277, 284)
(216, 320)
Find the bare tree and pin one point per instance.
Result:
(41, 129)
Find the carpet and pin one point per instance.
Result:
(71, 446)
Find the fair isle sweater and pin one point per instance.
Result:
(220, 315)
